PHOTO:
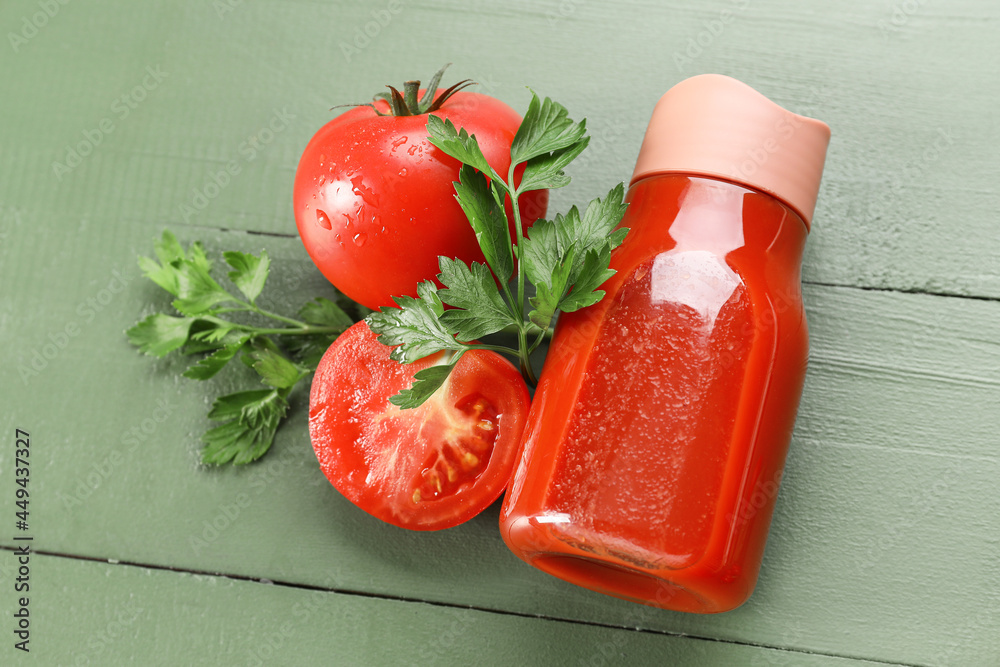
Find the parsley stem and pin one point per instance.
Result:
(512, 191)
(511, 305)
(275, 316)
(503, 349)
(542, 335)
(291, 331)
(526, 370)
(531, 328)
(299, 327)
(522, 335)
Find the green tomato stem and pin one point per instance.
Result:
(410, 89)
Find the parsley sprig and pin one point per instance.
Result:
(565, 259)
(282, 354)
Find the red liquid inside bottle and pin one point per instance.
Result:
(651, 460)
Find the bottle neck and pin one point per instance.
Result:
(722, 192)
(713, 214)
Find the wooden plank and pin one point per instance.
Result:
(884, 544)
(92, 613)
(908, 201)
(883, 548)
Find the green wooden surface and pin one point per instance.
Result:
(885, 545)
(117, 614)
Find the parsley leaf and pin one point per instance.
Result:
(546, 245)
(325, 313)
(572, 251)
(550, 291)
(164, 274)
(459, 144)
(273, 367)
(597, 226)
(251, 417)
(425, 383)
(591, 275)
(207, 367)
(488, 220)
(546, 128)
(547, 140)
(546, 171)
(196, 254)
(208, 335)
(479, 307)
(566, 259)
(159, 334)
(168, 249)
(212, 331)
(249, 272)
(197, 291)
(415, 326)
(251, 421)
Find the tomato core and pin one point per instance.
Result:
(461, 457)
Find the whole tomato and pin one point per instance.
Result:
(426, 468)
(373, 198)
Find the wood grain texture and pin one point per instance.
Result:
(908, 200)
(885, 542)
(889, 497)
(110, 614)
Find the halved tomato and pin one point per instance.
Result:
(427, 468)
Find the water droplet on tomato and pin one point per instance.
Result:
(360, 238)
(323, 219)
(367, 195)
(412, 150)
(397, 143)
(402, 172)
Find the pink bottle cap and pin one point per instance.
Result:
(714, 125)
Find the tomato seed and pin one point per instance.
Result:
(461, 460)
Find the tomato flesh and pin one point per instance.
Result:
(427, 468)
(463, 455)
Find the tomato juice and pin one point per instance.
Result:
(682, 410)
(650, 462)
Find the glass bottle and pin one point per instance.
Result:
(657, 436)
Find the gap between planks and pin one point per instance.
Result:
(447, 605)
(866, 288)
